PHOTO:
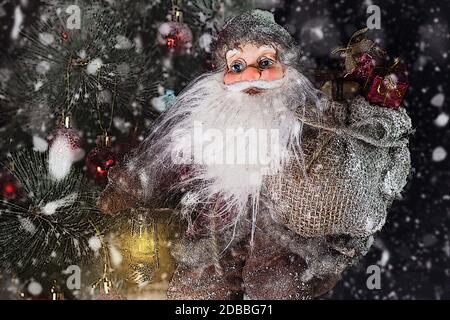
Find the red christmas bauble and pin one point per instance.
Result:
(175, 37)
(99, 161)
(9, 188)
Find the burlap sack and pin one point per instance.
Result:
(356, 161)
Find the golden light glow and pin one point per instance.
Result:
(143, 243)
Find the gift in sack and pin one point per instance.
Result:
(387, 91)
(355, 162)
(367, 67)
(361, 56)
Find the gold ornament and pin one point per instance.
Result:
(104, 140)
(66, 121)
(176, 15)
(56, 292)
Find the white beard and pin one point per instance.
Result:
(223, 166)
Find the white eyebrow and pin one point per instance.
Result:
(267, 47)
(232, 53)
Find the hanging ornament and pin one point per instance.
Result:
(175, 35)
(9, 187)
(55, 292)
(101, 159)
(64, 149)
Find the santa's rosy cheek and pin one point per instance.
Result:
(230, 78)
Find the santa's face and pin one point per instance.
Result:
(251, 63)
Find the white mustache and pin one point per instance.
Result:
(257, 84)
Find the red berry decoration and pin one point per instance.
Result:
(64, 36)
(100, 160)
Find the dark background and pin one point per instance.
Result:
(413, 249)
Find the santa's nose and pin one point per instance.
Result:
(250, 74)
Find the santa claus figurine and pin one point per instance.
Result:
(282, 189)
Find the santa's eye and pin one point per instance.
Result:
(237, 66)
(264, 62)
